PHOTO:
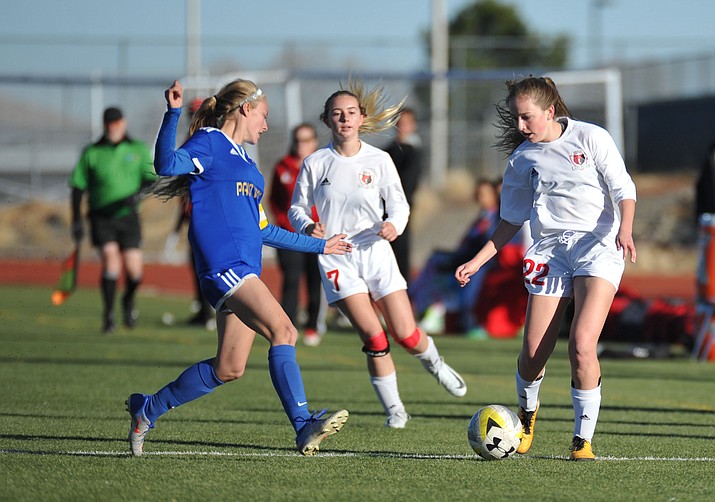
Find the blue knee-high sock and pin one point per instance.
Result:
(288, 382)
(196, 381)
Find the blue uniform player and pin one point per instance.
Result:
(227, 231)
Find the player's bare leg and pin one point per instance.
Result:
(543, 321)
(360, 311)
(593, 297)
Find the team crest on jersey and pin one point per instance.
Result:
(366, 179)
(578, 160)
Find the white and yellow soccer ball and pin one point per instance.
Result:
(494, 432)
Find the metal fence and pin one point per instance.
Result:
(46, 121)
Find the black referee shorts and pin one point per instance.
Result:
(125, 230)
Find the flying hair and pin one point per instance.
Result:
(379, 116)
(542, 91)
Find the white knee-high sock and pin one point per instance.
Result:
(528, 392)
(387, 393)
(430, 357)
(586, 405)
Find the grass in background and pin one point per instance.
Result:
(64, 428)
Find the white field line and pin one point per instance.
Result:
(412, 456)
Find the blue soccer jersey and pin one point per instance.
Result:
(228, 226)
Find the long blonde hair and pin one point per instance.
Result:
(542, 91)
(379, 116)
(213, 112)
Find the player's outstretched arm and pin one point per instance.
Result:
(504, 232)
(284, 239)
(336, 245)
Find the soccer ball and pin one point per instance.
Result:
(494, 432)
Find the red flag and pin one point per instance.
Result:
(68, 278)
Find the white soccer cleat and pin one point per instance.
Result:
(140, 424)
(316, 429)
(448, 378)
(397, 420)
(311, 338)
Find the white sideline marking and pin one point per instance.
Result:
(634, 459)
(415, 456)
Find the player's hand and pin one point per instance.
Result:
(336, 245)
(465, 271)
(316, 230)
(175, 95)
(77, 231)
(388, 231)
(625, 244)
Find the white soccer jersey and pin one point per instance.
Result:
(351, 194)
(573, 183)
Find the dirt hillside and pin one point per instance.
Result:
(665, 232)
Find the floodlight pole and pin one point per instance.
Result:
(193, 38)
(439, 116)
(596, 39)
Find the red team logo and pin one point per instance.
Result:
(366, 179)
(579, 160)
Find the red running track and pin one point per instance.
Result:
(176, 279)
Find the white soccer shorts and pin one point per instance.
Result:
(367, 269)
(551, 263)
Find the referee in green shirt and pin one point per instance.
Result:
(113, 172)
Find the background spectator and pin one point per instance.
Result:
(406, 153)
(294, 264)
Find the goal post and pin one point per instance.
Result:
(600, 89)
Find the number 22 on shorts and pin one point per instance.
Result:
(539, 271)
(333, 275)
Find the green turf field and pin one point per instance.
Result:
(64, 428)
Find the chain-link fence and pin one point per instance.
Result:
(47, 121)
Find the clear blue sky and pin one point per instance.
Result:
(40, 36)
